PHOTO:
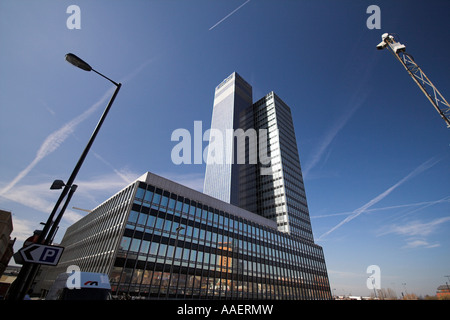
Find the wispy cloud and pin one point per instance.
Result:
(415, 228)
(55, 139)
(22, 229)
(421, 205)
(40, 198)
(125, 175)
(323, 145)
(90, 192)
(228, 15)
(416, 232)
(413, 243)
(424, 166)
(356, 101)
(36, 197)
(138, 70)
(357, 98)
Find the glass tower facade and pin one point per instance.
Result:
(279, 194)
(273, 190)
(157, 239)
(231, 97)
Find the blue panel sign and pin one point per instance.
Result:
(42, 254)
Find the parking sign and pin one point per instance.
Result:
(42, 254)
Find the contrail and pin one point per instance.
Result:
(231, 13)
(423, 204)
(124, 177)
(424, 166)
(55, 139)
(335, 129)
(356, 101)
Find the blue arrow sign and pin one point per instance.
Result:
(42, 254)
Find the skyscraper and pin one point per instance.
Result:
(274, 190)
(232, 96)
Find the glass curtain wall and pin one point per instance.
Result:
(174, 247)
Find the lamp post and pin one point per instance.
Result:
(29, 270)
(77, 62)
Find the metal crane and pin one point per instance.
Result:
(398, 50)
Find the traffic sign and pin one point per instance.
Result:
(42, 254)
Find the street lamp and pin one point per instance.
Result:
(29, 270)
(78, 62)
(69, 187)
(57, 184)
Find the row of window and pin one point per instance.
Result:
(167, 202)
(228, 255)
(196, 236)
(97, 234)
(91, 242)
(146, 284)
(225, 257)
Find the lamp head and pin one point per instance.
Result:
(57, 184)
(77, 62)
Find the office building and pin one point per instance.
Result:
(157, 239)
(274, 190)
(232, 96)
(248, 236)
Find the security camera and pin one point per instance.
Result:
(381, 45)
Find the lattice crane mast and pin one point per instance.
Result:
(398, 50)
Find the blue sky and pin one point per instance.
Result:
(374, 153)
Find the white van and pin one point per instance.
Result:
(80, 286)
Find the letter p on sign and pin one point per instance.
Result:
(48, 255)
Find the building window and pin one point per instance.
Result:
(215, 256)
